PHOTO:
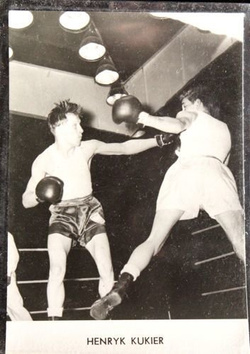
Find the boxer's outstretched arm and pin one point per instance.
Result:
(168, 124)
(128, 148)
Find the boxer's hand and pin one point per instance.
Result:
(49, 189)
(164, 139)
(126, 109)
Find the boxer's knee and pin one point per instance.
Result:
(57, 272)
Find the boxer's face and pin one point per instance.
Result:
(70, 130)
(195, 106)
(188, 105)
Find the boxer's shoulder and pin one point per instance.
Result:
(89, 145)
(44, 158)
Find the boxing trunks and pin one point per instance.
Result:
(79, 219)
(195, 183)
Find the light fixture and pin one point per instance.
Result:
(20, 19)
(92, 47)
(117, 91)
(138, 133)
(106, 73)
(10, 53)
(74, 20)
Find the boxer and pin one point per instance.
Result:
(199, 179)
(15, 308)
(61, 177)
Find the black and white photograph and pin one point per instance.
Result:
(126, 184)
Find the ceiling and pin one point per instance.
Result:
(131, 39)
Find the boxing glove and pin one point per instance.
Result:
(49, 189)
(126, 109)
(164, 139)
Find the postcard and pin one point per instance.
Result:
(125, 177)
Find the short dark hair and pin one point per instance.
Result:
(58, 113)
(207, 97)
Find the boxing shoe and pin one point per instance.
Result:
(101, 308)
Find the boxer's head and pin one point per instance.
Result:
(59, 113)
(201, 98)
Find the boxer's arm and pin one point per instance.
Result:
(13, 255)
(168, 124)
(128, 148)
(29, 198)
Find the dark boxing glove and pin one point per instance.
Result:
(164, 139)
(126, 109)
(49, 189)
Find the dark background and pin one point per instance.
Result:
(127, 187)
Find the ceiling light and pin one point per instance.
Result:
(10, 53)
(74, 20)
(20, 19)
(92, 47)
(116, 91)
(106, 73)
(138, 133)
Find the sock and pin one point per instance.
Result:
(131, 269)
(55, 312)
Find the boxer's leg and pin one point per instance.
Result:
(140, 258)
(58, 248)
(232, 223)
(163, 223)
(99, 249)
(15, 308)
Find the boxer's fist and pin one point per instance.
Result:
(49, 189)
(164, 139)
(126, 109)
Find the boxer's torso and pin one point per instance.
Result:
(73, 170)
(206, 136)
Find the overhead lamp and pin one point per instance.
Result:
(117, 91)
(74, 20)
(138, 133)
(106, 73)
(19, 19)
(10, 53)
(92, 47)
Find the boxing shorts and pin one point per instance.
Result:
(196, 183)
(79, 219)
